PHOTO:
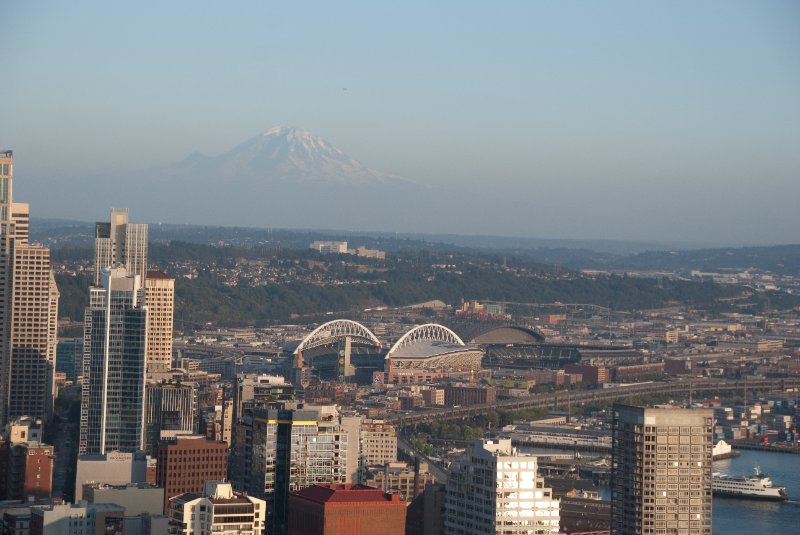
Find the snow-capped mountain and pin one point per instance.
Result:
(281, 154)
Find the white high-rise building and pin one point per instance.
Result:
(495, 489)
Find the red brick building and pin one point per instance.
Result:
(345, 509)
(185, 463)
(26, 469)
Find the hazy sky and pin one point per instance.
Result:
(671, 120)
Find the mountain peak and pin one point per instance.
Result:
(288, 131)
(286, 154)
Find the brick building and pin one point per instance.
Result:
(186, 463)
(345, 508)
(593, 375)
(469, 395)
(26, 470)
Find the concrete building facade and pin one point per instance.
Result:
(661, 470)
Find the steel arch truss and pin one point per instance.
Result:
(430, 332)
(332, 331)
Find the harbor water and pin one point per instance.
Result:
(733, 515)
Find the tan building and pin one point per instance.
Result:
(400, 478)
(661, 470)
(160, 300)
(378, 442)
(433, 396)
(28, 311)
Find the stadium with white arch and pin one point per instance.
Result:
(344, 348)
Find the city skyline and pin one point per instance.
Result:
(549, 119)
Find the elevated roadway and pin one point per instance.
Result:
(552, 400)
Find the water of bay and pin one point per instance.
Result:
(732, 515)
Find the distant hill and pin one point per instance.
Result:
(778, 259)
(574, 254)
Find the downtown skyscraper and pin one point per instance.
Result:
(28, 311)
(115, 346)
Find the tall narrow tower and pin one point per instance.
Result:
(661, 471)
(115, 344)
(160, 290)
(28, 311)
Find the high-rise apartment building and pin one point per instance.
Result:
(278, 451)
(495, 489)
(661, 470)
(160, 300)
(28, 311)
(115, 343)
(120, 244)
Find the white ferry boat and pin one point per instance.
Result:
(756, 487)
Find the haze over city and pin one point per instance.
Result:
(661, 122)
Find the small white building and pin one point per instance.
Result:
(219, 510)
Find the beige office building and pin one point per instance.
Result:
(661, 471)
(160, 299)
(28, 311)
(378, 443)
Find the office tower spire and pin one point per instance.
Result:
(115, 344)
(28, 311)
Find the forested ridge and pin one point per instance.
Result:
(402, 280)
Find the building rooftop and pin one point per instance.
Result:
(156, 274)
(345, 493)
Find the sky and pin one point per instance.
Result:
(618, 120)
